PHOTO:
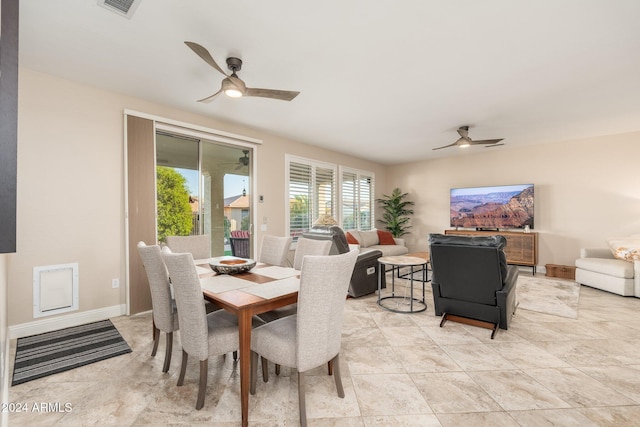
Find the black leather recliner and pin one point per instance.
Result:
(471, 280)
(364, 279)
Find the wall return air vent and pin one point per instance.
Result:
(121, 7)
(55, 289)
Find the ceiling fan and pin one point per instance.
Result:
(232, 85)
(242, 162)
(465, 141)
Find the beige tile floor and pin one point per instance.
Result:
(398, 369)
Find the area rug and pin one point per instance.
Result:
(549, 296)
(45, 354)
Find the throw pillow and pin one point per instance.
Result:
(351, 240)
(369, 238)
(385, 238)
(625, 248)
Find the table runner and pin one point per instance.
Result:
(203, 270)
(275, 288)
(223, 283)
(276, 272)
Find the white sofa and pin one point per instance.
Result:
(598, 268)
(368, 240)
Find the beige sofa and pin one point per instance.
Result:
(368, 240)
(598, 268)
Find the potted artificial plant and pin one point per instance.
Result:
(396, 212)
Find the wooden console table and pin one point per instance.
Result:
(521, 249)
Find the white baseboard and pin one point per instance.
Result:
(61, 322)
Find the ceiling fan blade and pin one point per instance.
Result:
(488, 141)
(238, 83)
(284, 95)
(494, 145)
(445, 146)
(205, 55)
(463, 131)
(210, 98)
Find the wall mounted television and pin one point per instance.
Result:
(492, 208)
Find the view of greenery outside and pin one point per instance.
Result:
(299, 213)
(246, 221)
(349, 222)
(227, 229)
(174, 211)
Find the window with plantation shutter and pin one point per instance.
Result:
(311, 187)
(356, 207)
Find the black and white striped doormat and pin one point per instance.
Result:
(45, 354)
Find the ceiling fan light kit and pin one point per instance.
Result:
(465, 141)
(232, 85)
(233, 93)
(230, 89)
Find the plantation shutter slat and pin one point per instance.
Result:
(312, 193)
(325, 189)
(300, 194)
(349, 205)
(365, 188)
(357, 200)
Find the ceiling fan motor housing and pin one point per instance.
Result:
(234, 64)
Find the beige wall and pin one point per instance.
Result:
(585, 190)
(70, 184)
(71, 198)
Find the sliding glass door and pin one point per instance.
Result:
(177, 188)
(203, 187)
(226, 177)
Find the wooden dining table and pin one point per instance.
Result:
(263, 288)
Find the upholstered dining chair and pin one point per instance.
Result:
(202, 335)
(274, 250)
(306, 247)
(198, 246)
(165, 317)
(311, 337)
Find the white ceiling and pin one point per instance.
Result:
(383, 80)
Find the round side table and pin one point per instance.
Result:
(413, 305)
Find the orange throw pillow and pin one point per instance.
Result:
(352, 240)
(385, 237)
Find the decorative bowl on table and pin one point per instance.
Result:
(231, 265)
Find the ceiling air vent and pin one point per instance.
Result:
(121, 7)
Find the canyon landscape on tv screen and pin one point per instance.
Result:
(498, 207)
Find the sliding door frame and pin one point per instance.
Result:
(133, 282)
